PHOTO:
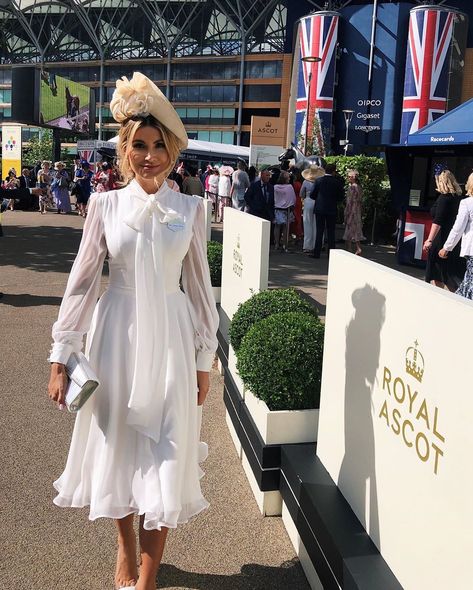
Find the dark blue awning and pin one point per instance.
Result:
(453, 128)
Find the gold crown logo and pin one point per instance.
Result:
(415, 362)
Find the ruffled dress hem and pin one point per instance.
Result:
(153, 521)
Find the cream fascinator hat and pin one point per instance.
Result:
(139, 97)
(313, 172)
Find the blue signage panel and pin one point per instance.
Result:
(376, 103)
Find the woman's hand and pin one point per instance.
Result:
(443, 253)
(58, 384)
(203, 385)
(427, 245)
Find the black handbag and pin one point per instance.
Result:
(75, 188)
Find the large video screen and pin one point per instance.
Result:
(64, 103)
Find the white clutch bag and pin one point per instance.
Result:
(82, 381)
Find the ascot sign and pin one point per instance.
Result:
(408, 414)
(395, 417)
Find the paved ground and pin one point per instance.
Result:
(230, 547)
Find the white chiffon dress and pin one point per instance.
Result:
(136, 442)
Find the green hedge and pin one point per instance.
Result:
(214, 256)
(262, 305)
(280, 360)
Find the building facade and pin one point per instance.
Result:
(218, 61)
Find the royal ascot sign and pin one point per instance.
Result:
(408, 414)
(245, 261)
(395, 417)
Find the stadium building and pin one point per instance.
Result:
(222, 61)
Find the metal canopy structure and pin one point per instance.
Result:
(35, 31)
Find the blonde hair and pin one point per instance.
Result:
(126, 134)
(469, 185)
(354, 173)
(447, 183)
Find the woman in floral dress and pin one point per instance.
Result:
(353, 226)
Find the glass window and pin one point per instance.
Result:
(5, 95)
(192, 134)
(193, 93)
(227, 136)
(217, 94)
(205, 93)
(254, 69)
(182, 112)
(216, 114)
(270, 93)
(230, 93)
(204, 113)
(215, 136)
(229, 116)
(180, 93)
(5, 113)
(203, 135)
(232, 70)
(5, 76)
(193, 116)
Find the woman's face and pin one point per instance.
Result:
(351, 178)
(149, 158)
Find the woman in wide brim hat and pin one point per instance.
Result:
(310, 175)
(135, 448)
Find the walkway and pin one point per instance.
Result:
(230, 547)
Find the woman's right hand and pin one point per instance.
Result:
(57, 386)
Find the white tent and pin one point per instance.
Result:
(212, 148)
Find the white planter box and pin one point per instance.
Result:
(233, 371)
(217, 291)
(282, 426)
(269, 503)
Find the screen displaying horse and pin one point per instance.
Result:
(64, 103)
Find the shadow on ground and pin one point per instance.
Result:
(27, 300)
(251, 577)
(34, 248)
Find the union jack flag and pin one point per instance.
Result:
(426, 82)
(89, 155)
(318, 36)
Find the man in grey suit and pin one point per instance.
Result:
(328, 191)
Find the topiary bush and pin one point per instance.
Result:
(280, 360)
(262, 305)
(214, 256)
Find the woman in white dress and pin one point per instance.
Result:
(308, 217)
(135, 448)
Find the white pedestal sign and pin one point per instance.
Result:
(395, 417)
(245, 262)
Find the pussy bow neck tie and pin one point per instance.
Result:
(146, 402)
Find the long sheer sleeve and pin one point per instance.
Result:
(197, 286)
(75, 314)
(458, 227)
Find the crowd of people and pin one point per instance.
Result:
(300, 206)
(46, 186)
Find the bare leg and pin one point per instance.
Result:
(126, 573)
(152, 549)
(438, 284)
(348, 245)
(277, 236)
(358, 248)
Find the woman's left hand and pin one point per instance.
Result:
(443, 253)
(203, 385)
